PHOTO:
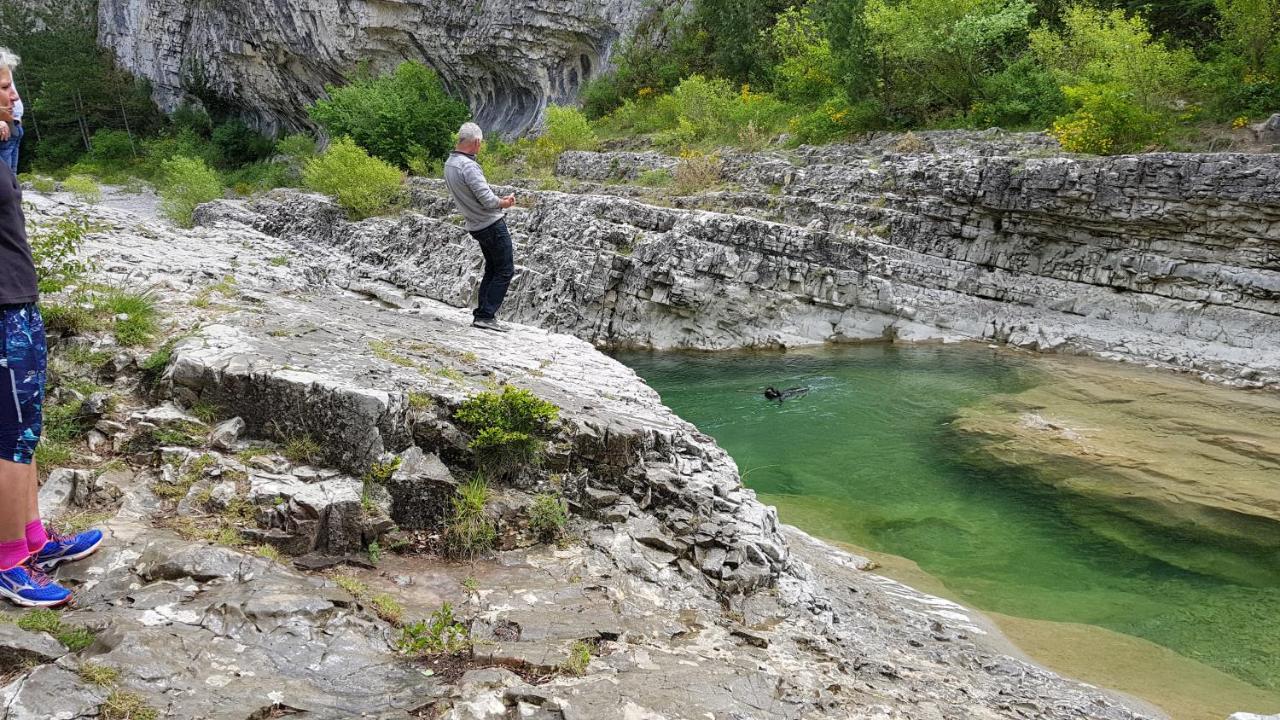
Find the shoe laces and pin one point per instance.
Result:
(38, 577)
(55, 536)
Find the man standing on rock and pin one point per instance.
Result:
(27, 550)
(482, 212)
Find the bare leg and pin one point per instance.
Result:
(15, 505)
(33, 493)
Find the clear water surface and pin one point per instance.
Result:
(865, 457)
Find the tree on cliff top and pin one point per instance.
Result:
(397, 117)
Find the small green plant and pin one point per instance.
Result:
(101, 675)
(421, 401)
(387, 608)
(44, 184)
(505, 427)
(471, 585)
(469, 531)
(301, 449)
(352, 585)
(657, 178)
(54, 249)
(136, 315)
(547, 516)
(156, 362)
(188, 182)
(362, 185)
(279, 261)
(84, 188)
(578, 660)
(124, 705)
(43, 620)
(441, 633)
(270, 552)
(48, 621)
(375, 552)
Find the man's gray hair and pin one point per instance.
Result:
(470, 131)
(8, 59)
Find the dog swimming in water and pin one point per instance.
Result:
(772, 393)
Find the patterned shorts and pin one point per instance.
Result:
(22, 372)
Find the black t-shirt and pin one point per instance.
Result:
(17, 272)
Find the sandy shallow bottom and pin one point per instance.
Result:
(1180, 686)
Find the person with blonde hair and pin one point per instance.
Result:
(27, 548)
(11, 132)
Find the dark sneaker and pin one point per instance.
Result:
(488, 324)
(29, 587)
(61, 549)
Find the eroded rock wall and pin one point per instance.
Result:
(269, 59)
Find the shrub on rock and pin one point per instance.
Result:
(361, 184)
(188, 182)
(505, 427)
(394, 117)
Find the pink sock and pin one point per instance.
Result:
(36, 536)
(13, 553)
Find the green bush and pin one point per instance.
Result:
(83, 187)
(1120, 81)
(469, 531)
(806, 71)
(1024, 95)
(43, 184)
(183, 143)
(601, 96)
(238, 144)
(934, 54)
(1251, 30)
(187, 183)
(1107, 121)
(361, 184)
(260, 177)
(548, 516)
(702, 110)
(505, 427)
(54, 249)
(111, 147)
(835, 119)
(388, 116)
(564, 129)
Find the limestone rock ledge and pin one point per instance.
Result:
(698, 602)
(1166, 259)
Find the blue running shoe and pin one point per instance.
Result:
(61, 549)
(28, 587)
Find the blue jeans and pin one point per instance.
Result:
(9, 148)
(499, 268)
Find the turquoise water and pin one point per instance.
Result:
(866, 457)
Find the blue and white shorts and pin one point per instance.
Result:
(22, 373)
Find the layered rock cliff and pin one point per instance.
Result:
(1165, 258)
(269, 59)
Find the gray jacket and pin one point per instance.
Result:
(479, 205)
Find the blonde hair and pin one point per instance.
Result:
(8, 59)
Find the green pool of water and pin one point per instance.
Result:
(865, 457)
